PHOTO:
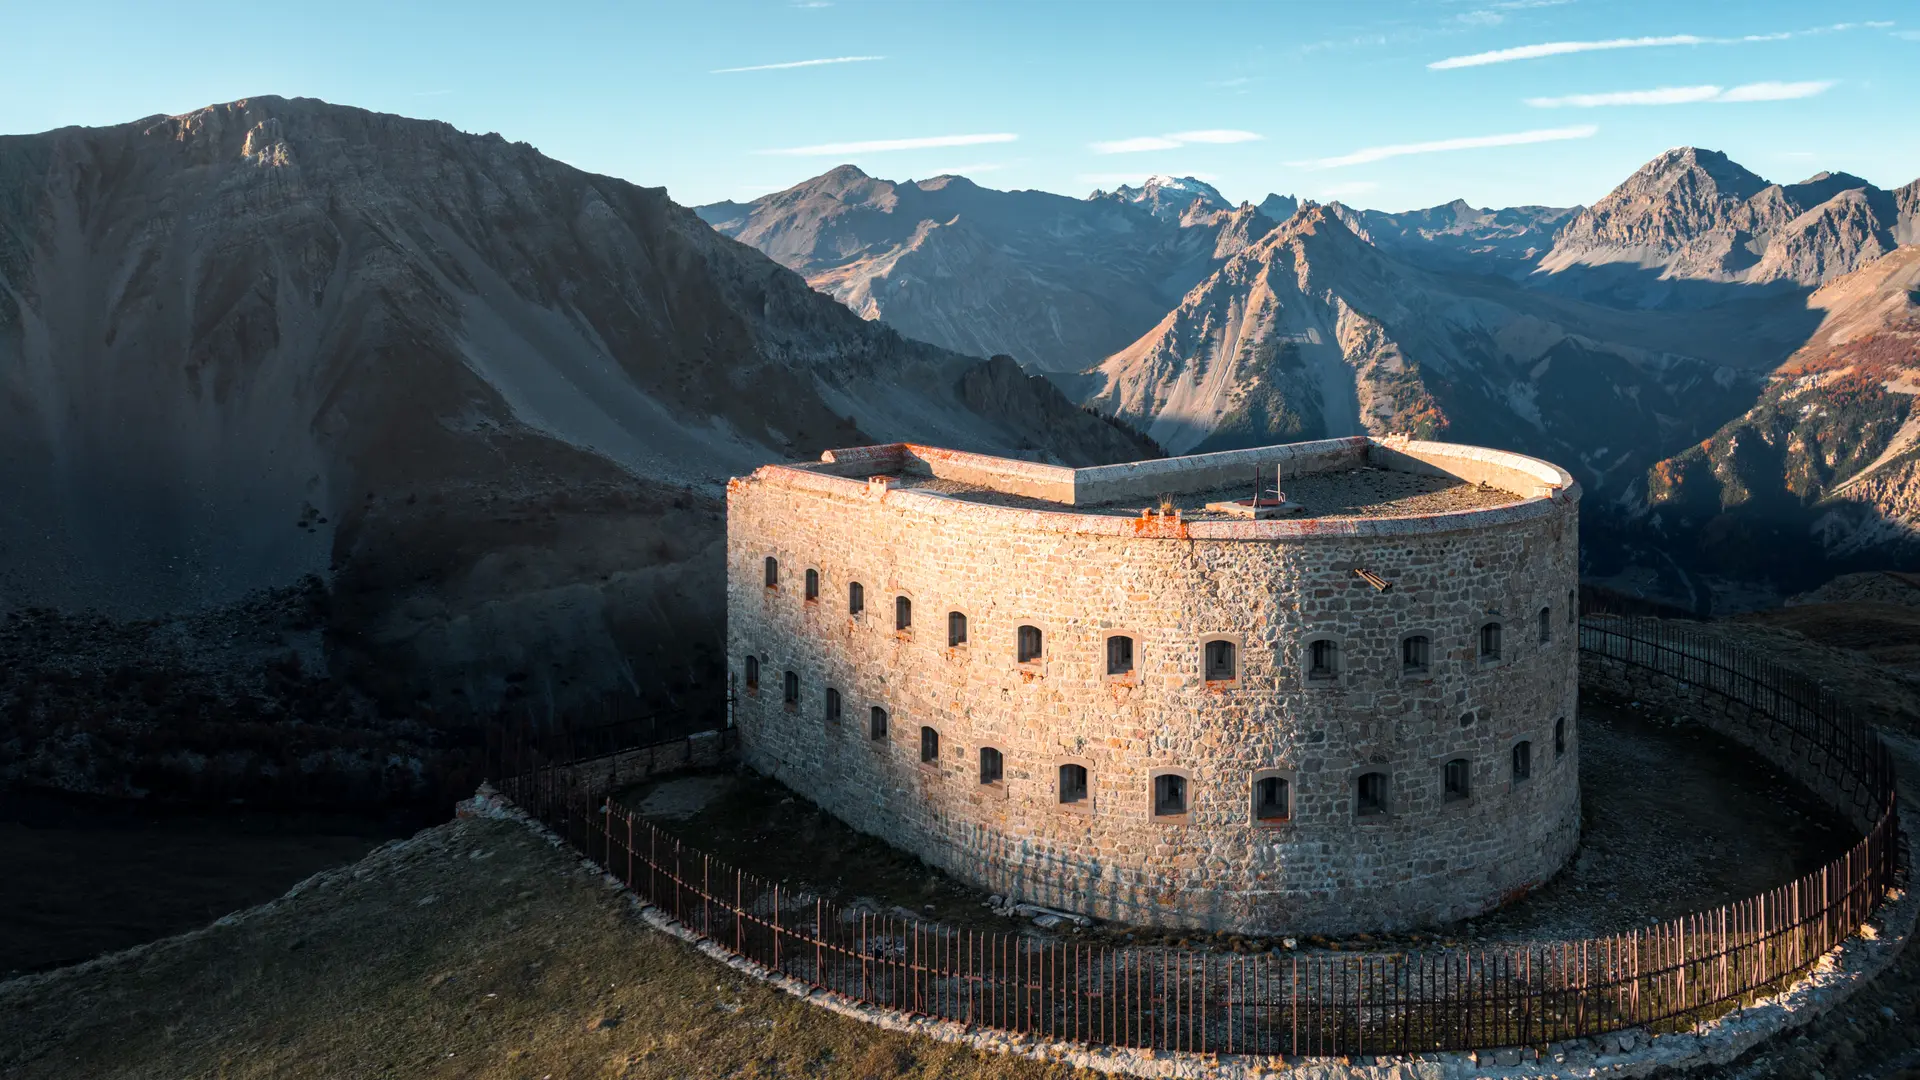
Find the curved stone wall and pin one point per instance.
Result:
(1270, 589)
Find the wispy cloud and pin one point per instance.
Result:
(1907, 35)
(811, 4)
(1518, 5)
(1561, 48)
(875, 146)
(1482, 17)
(1174, 141)
(1776, 91)
(1665, 95)
(797, 64)
(1473, 142)
(1558, 48)
(1687, 95)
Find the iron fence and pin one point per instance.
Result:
(1665, 977)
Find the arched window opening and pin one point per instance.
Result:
(1323, 659)
(877, 723)
(1073, 783)
(1119, 655)
(1546, 625)
(1220, 662)
(1028, 649)
(902, 613)
(790, 690)
(813, 584)
(1560, 737)
(773, 572)
(1490, 641)
(992, 766)
(1416, 655)
(856, 598)
(1270, 799)
(1522, 760)
(753, 673)
(1456, 782)
(929, 746)
(1370, 794)
(956, 629)
(1169, 795)
(833, 705)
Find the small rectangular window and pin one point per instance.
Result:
(1220, 661)
(1119, 655)
(773, 572)
(833, 705)
(813, 585)
(1073, 783)
(1029, 644)
(1490, 641)
(877, 723)
(956, 629)
(1370, 794)
(790, 691)
(1573, 606)
(902, 613)
(1560, 737)
(1270, 799)
(1323, 659)
(753, 673)
(1416, 655)
(856, 598)
(1457, 780)
(1169, 795)
(929, 746)
(1546, 625)
(991, 765)
(1522, 761)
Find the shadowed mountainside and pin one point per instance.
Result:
(489, 397)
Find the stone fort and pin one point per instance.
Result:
(1164, 692)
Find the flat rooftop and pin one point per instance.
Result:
(1354, 478)
(1370, 491)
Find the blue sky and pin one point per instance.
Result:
(1388, 105)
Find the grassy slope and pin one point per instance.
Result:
(472, 950)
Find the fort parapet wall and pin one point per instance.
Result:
(1403, 848)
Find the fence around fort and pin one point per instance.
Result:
(1525, 993)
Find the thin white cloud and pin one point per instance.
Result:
(1561, 48)
(1558, 48)
(1216, 135)
(1473, 142)
(1140, 143)
(1517, 5)
(797, 64)
(1480, 18)
(1776, 91)
(875, 146)
(1135, 145)
(1687, 95)
(1665, 95)
(1907, 35)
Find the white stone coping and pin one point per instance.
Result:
(1834, 978)
(1552, 489)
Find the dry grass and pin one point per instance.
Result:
(472, 950)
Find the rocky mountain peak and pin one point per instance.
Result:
(1168, 197)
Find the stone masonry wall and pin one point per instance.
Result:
(1081, 578)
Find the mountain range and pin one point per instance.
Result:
(1616, 339)
(491, 399)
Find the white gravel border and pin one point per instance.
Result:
(1834, 978)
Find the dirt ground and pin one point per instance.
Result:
(1676, 818)
(472, 950)
(92, 876)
